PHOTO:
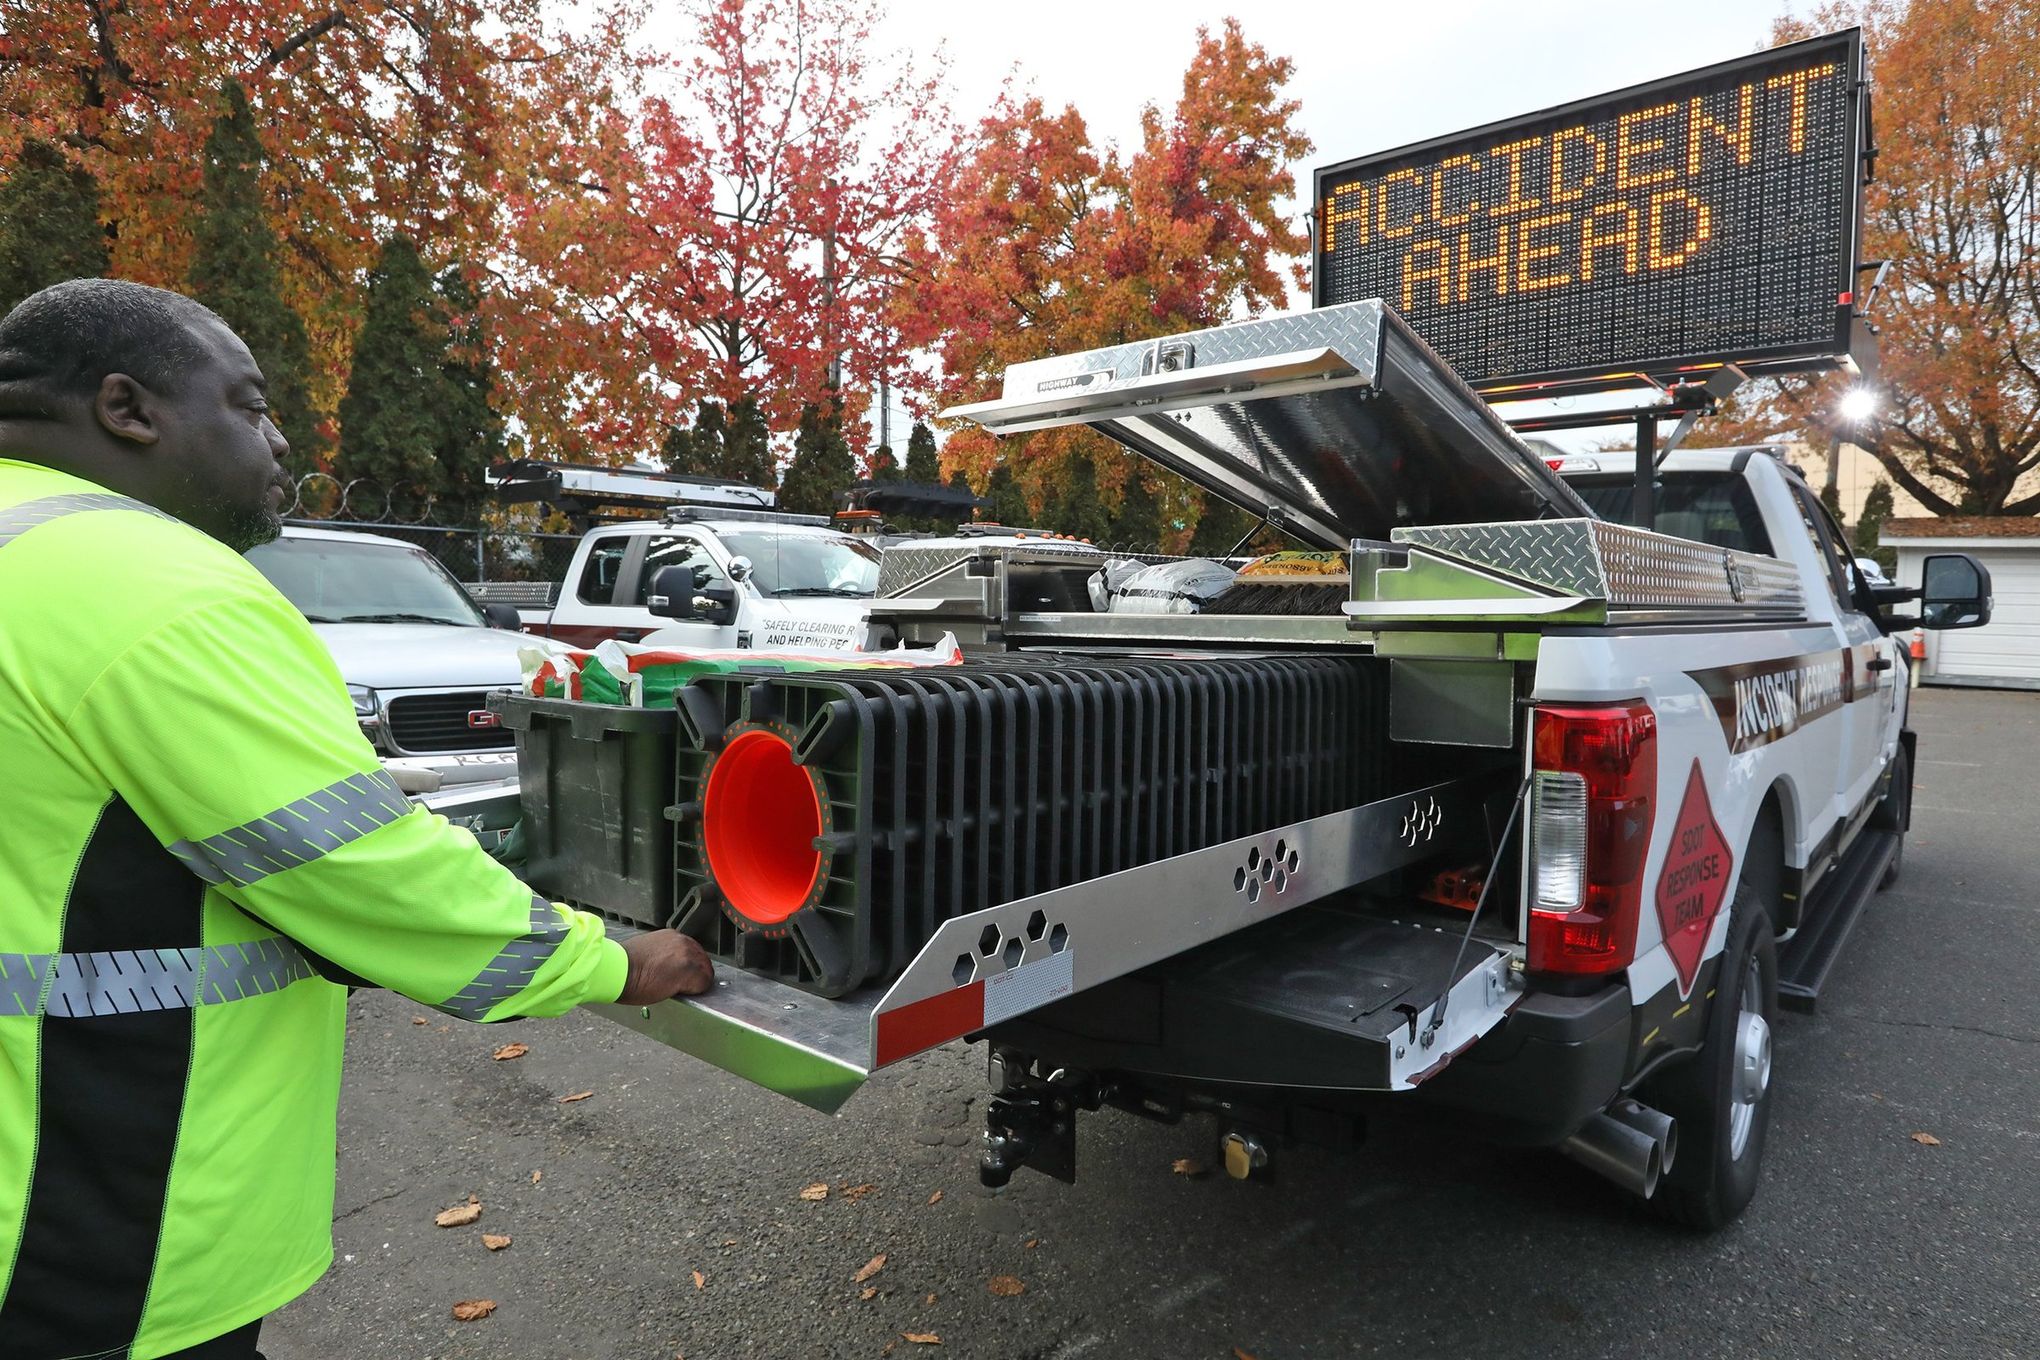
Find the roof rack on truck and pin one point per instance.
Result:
(590, 493)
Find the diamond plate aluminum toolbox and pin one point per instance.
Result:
(1335, 424)
(1576, 571)
(829, 824)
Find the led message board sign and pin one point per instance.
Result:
(1703, 219)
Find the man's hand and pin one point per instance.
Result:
(663, 964)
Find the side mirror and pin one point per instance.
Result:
(671, 595)
(741, 569)
(1955, 592)
(716, 603)
(503, 616)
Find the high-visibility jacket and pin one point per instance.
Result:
(195, 838)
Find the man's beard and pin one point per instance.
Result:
(245, 527)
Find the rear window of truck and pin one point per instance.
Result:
(1715, 508)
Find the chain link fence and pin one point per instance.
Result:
(474, 550)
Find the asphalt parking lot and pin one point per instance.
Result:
(662, 1215)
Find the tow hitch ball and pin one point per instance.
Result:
(1032, 1120)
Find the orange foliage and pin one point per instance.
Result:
(1957, 116)
(1049, 244)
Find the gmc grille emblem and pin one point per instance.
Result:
(482, 717)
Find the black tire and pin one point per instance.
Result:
(1715, 1174)
(1893, 811)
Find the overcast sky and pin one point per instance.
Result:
(1371, 75)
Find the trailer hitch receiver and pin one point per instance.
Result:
(1032, 1120)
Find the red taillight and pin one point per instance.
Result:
(1594, 775)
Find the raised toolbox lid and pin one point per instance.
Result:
(1334, 424)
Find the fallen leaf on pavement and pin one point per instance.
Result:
(1189, 1166)
(1926, 1138)
(819, 1190)
(931, 1298)
(509, 1051)
(1239, 1354)
(578, 1095)
(868, 1292)
(855, 1192)
(460, 1215)
(922, 1338)
(495, 1242)
(935, 1198)
(870, 1268)
(473, 1310)
(537, 1176)
(1006, 1286)
(700, 1280)
(1033, 1242)
(420, 1020)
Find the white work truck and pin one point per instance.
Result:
(1526, 819)
(760, 579)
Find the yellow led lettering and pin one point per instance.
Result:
(1383, 206)
(1797, 81)
(1593, 238)
(1347, 203)
(1629, 149)
(1700, 228)
(1528, 253)
(1580, 151)
(1496, 264)
(1438, 271)
(1517, 202)
(1438, 213)
(1700, 123)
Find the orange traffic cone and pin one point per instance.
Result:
(1918, 651)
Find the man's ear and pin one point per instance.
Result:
(126, 409)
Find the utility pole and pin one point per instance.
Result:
(885, 415)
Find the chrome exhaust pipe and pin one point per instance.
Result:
(1631, 1144)
(1654, 1124)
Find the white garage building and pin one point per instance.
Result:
(2006, 652)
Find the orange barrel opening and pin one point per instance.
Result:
(760, 815)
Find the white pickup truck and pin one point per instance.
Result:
(1527, 820)
(762, 579)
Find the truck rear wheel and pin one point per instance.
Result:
(1722, 1098)
(1893, 811)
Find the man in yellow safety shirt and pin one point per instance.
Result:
(198, 847)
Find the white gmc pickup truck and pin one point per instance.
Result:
(1522, 818)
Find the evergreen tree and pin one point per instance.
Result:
(696, 450)
(473, 427)
(1073, 506)
(747, 447)
(49, 224)
(922, 463)
(1877, 507)
(1008, 502)
(1137, 524)
(884, 466)
(416, 420)
(234, 272)
(822, 462)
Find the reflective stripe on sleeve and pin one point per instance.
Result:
(512, 970)
(298, 832)
(127, 981)
(17, 520)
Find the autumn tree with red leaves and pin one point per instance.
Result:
(435, 118)
(1050, 244)
(1955, 207)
